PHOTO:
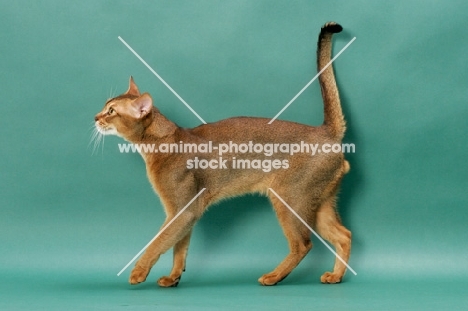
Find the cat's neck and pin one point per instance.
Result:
(155, 128)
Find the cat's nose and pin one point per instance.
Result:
(96, 118)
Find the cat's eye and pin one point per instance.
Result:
(111, 111)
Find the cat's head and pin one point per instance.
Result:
(125, 115)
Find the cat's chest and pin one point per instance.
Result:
(163, 171)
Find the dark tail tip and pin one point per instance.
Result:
(331, 27)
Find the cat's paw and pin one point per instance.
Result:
(330, 278)
(269, 279)
(167, 281)
(138, 275)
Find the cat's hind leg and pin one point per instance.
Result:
(298, 237)
(180, 255)
(328, 225)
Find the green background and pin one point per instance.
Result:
(71, 219)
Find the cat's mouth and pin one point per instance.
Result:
(106, 130)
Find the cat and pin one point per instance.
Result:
(309, 184)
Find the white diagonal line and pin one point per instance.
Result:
(313, 231)
(310, 82)
(161, 79)
(161, 231)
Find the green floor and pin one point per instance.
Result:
(218, 290)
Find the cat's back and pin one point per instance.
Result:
(258, 129)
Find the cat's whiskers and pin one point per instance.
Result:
(103, 137)
(99, 141)
(112, 92)
(93, 134)
(96, 139)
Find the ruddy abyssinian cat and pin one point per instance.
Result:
(309, 184)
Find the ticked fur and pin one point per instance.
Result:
(309, 184)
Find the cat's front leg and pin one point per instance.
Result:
(180, 255)
(139, 274)
(142, 269)
(174, 233)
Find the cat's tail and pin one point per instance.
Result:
(334, 120)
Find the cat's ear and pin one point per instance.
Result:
(141, 106)
(132, 88)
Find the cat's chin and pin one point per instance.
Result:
(107, 131)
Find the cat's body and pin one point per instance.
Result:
(308, 183)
